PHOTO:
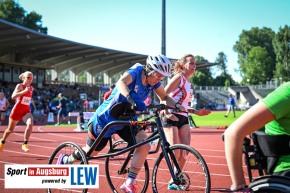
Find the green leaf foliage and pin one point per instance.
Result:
(255, 37)
(12, 12)
(281, 44)
(257, 65)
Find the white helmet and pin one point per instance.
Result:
(159, 63)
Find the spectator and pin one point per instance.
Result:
(62, 109)
(32, 106)
(86, 105)
(193, 104)
(4, 103)
(148, 100)
(231, 105)
(21, 110)
(108, 93)
(91, 105)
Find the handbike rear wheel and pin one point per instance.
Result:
(194, 177)
(116, 177)
(271, 184)
(67, 148)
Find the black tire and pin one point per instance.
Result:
(271, 184)
(195, 173)
(113, 166)
(67, 148)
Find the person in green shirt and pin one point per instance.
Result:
(273, 112)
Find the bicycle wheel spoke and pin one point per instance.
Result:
(67, 148)
(116, 177)
(194, 176)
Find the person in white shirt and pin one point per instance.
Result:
(176, 125)
(4, 103)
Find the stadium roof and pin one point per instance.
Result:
(24, 47)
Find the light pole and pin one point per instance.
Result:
(248, 81)
(163, 46)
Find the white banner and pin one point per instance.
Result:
(51, 176)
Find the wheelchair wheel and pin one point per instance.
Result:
(67, 148)
(271, 184)
(116, 176)
(194, 177)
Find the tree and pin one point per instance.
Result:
(224, 79)
(222, 62)
(252, 38)
(201, 77)
(257, 65)
(281, 44)
(12, 12)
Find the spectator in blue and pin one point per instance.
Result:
(32, 106)
(231, 105)
(193, 104)
(62, 106)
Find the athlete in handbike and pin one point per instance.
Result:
(134, 86)
(273, 112)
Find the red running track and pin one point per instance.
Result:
(44, 139)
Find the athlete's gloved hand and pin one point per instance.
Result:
(139, 103)
(135, 117)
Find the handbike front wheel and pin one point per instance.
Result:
(116, 177)
(194, 177)
(271, 184)
(67, 148)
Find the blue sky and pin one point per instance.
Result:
(200, 27)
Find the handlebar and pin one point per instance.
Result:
(161, 107)
(129, 113)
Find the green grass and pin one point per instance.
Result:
(61, 125)
(216, 118)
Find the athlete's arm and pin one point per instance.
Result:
(173, 84)
(201, 112)
(18, 91)
(59, 105)
(122, 83)
(164, 97)
(7, 103)
(252, 120)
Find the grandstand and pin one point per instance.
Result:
(49, 57)
(216, 98)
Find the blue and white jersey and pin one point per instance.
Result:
(102, 115)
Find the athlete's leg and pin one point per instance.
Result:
(28, 119)
(2, 117)
(141, 152)
(11, 126)
(184, 138)
(64, 159)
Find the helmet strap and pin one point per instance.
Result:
(146, 75)
(151, 72)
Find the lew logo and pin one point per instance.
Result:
(51, 176)
(84, 175)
